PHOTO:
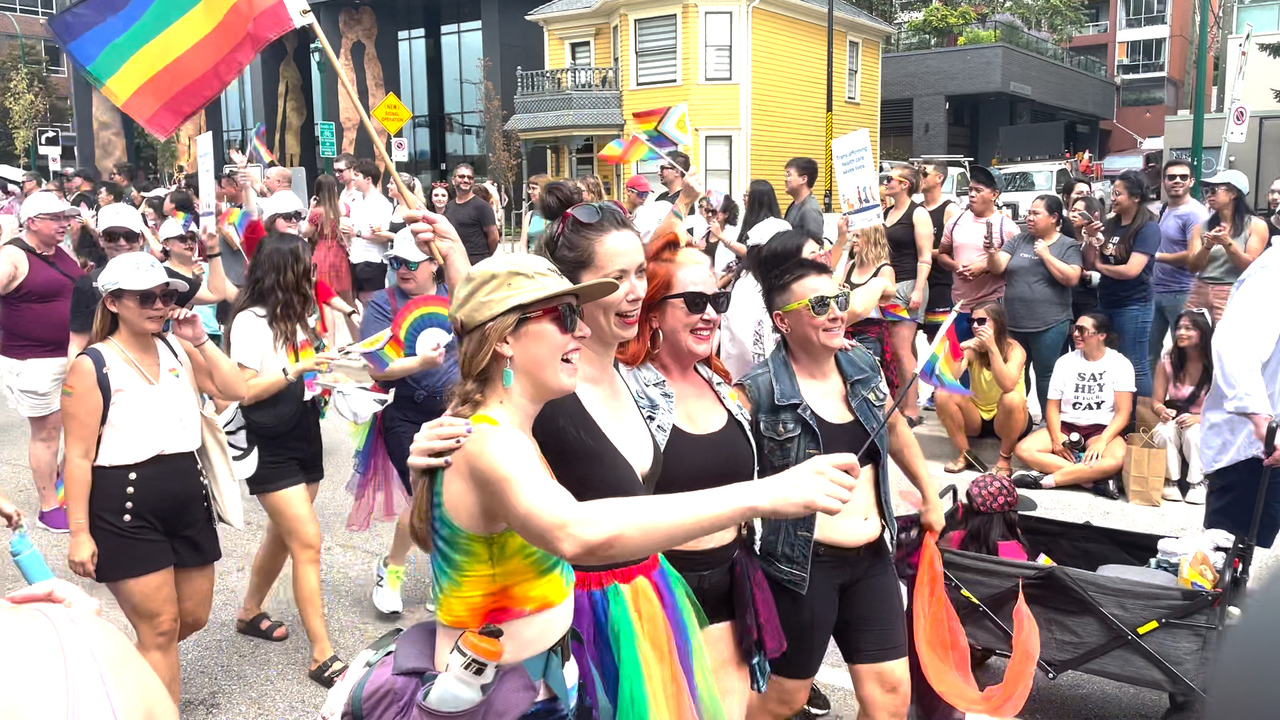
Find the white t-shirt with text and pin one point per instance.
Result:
(1088, 390)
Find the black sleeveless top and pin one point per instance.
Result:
(848, 437)
(939, 277)
(902, 245)
(583, 458)
(701, 462)
(853, 285)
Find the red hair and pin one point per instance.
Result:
(665, 258)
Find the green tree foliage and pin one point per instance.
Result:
(1272, 50)
(24, 101)
(1061, 19)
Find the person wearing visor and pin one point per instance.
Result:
(421, 381)
(139, 512)
(36, 280)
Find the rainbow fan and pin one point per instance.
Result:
(423, 323)
(379, 350)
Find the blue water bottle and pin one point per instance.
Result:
(28, 558)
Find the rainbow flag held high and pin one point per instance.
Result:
(258, 146)
(236, 221)
(944, 365)
(665, 125)
(894, 312)
(162, 61)
(621, 152)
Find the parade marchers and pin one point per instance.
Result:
(656, 536)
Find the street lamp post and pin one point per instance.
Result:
(827, 168)
(317, 54)
(22, 58)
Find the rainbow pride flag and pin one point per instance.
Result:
(936, 317)
(162, 61)
(894, 312)
(621, 152)
(665, 125)
(258, 146)
(184, 219)
(236, 221)
(380, 349)
(944, 365)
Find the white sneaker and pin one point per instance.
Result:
(1196, 494)
(1171, 492)
(386, 590)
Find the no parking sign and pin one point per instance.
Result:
(1237, 122)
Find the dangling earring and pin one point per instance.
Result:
(654, 347)
(508, 376)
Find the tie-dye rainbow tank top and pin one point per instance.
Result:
(490, 578)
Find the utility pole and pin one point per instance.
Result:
(317, 53)
(831, 32)
(1197, 100)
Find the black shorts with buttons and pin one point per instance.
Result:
(151, 516)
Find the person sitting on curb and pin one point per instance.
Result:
(1182, 381)
(998, 405)
(1090, 395)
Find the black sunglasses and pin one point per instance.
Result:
(1174, 177)
(112, 237)
(1083, 331)
(978, 321)
(148, 298)
(697, 302)
(588, 213)
(295, 216)
(570, 314)
(464, 177)
(396, 263)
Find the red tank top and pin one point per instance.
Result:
(35, 318)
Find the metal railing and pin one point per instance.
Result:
(1141, 21)
(994, 31)
(1139, 67)
(544, 82)
(1096, 28)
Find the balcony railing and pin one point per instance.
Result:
(1141, 21)
(1139, 67)
(558, 80)
(1096, 28)
(994, 31)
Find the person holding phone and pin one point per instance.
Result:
(1220, 250)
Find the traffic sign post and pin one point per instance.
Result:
(55, 164)
(1237, 122)
(49, 141)
(399, 149)
(328, 139)
(391, 114)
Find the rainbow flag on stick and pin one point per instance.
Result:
(944, 364)
(258, 146)
(621, 152)
(162, 61)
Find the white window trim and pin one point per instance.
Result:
(615, 26)
(735, 45)
(857, 90)
(568, 51)
(737, 171)
(678, 11)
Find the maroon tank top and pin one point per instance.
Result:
(35, 318)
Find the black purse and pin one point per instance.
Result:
(277, 415)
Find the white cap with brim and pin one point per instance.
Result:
(120, 215)
(171, 229)
(158, 192)
(45, 203)
(406, 248)
(136, 271)
(1230, 177)
(285, 201)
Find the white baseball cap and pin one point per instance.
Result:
(285, 201)
(136, 271)
(1230, 177)
(171, 229)
(406, 248)
(45, 203)
(120, 215)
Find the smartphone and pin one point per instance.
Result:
(168, 325)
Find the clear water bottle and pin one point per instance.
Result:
(1075, 443)
(473, 663)
(28, 558)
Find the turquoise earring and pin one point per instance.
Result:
(508, 376)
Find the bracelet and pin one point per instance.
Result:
(679, 216)
(202, 342)
(214, 255)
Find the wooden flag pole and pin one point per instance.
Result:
(405, 193)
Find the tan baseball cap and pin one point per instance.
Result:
(506, 282)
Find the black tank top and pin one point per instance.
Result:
(854, 285)
(700, 462)
(939, 277)
(902, 245)
(583, 458)
(847, 437)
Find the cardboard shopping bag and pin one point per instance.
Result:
(1144, 469)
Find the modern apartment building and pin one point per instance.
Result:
(23, 30)
(1148, 46)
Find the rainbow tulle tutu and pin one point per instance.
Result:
(379, 494)
(643, 656)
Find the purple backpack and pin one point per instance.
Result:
(396, 686)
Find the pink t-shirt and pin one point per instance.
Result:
(1180, 391)
(962, 239)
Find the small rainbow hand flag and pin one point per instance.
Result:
(621, 152)
(184, 219)
(235, 220)
(162, 61)
(380, 349)
(258, 146)
(894, 312)
(944, 364)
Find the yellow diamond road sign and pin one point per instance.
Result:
(391, 113)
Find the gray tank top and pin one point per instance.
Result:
(1220, 270)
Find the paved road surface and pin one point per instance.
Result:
(229, 676)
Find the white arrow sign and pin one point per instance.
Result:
(49, 140)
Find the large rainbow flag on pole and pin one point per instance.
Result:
(162, 61)
(944, 364)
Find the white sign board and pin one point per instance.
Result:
(49, 141)
(55, 164)
(857, 180)
(399, 150)
(1237, 122)
(205, 170)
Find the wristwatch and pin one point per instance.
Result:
(289, 378)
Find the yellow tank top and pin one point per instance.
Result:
(490, 578)
(986, 393)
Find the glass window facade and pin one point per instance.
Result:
(415, 85)
(238, 119)
(460, 53)
(35, 8)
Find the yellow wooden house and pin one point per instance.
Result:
(753, 73)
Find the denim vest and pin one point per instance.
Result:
(787, 435)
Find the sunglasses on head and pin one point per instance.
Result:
(820, 305)
(412, 265)
(113, 237)
(570, 314)
(588, 213)
(440, 184)
(148, 298)
(697, 302)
